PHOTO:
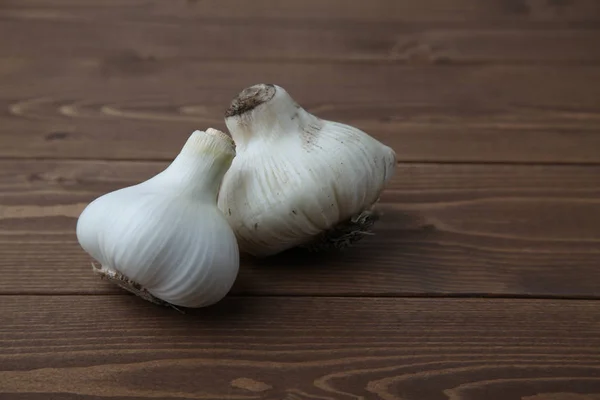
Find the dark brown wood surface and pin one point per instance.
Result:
(300, 348)
(104, 108)
(482, 280)
(446, 229)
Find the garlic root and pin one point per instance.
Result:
(124, 282)
(344, 234)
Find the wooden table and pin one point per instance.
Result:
(481, 282)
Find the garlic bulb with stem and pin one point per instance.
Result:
(298, 180)
(165, 239)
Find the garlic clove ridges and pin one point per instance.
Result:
(165, 239)
(298, 180)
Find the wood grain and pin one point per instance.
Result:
(110, 76)
(132, 107)
(120, 347)
(404, 11)
(446, 229)
(313, 41)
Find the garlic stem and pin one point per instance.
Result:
(265, 113)
(200, 166)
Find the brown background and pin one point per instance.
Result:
(483, 278)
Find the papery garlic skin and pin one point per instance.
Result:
(296, 176)
(166, 234)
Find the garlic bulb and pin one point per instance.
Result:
(298, 180)
(165, 239)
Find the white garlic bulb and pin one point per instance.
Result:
(298, 180)
(165, 239)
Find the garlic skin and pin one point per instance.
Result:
(298, 180)
(165, 239)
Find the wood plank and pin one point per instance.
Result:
(404, 11)
(119, 347)
(301, 41)
(104, 108)
(446, 230)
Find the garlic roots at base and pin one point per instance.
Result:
(166, 237)
(298, 180)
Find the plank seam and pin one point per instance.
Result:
(345, 296)
(399, 163)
